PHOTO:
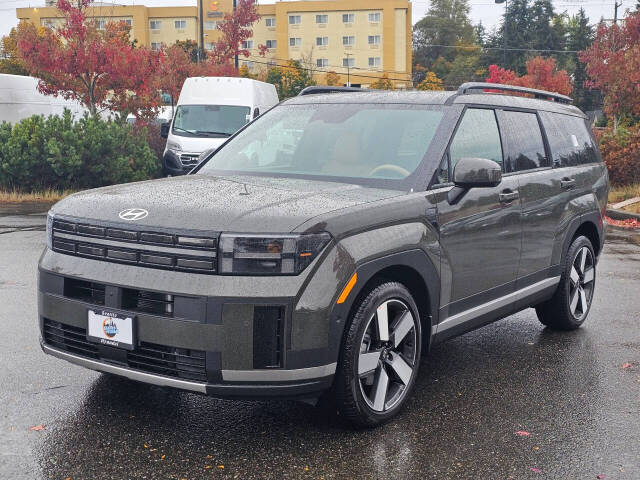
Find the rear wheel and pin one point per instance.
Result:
(380, 357)
(570, 305)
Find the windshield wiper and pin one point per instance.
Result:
(178, 129)
(202, 132)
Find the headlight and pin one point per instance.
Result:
(49, 231)
(286, 254)
(205, 154)
(173, 146)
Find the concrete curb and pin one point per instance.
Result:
(622, 215)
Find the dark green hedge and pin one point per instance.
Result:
(62, 154)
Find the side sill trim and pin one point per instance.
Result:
(488, 307)
(279, 375)
(125, 372)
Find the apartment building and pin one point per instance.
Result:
(360, 40)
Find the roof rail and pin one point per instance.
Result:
(323, 90)
(466, 88)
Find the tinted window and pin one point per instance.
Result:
(569, 139)
(357, 141)
(477, 136)
(523, 141)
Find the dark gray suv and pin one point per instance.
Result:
(327, 245)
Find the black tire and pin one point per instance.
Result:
(358, 396)
(560, 312)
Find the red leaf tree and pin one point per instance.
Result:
(100, 68)
(541, 74)
(613, 65)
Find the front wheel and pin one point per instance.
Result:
(380, 357)
(570, 305)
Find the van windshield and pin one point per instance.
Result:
(365, 141)
(209, 120)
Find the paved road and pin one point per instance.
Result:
(567, 390)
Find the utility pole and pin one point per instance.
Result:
(236, 61)
(506, 29)
(615, 12)
(348, 68)
(201, 26)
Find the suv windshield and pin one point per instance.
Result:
(209, 120)
(366, 141)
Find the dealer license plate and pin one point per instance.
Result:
(111, 328)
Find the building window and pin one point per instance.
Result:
(322, 19)
(322, 41)
(374, 39)
(270, 22)
(248, 64)
(272, 44)
(348, 17)
(155, 24)
(180, 24)
(349, 62)
(375, 62)
(295, 19)
(156, 46)
(210, 25)
(349, 41)
(271, 64)
(247, 45)
(295, 42)
(322, 62)
(375, 17)
(208, 46)
(101, 24)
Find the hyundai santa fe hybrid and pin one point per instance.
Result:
(327, 245)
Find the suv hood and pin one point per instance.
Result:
(231, 203)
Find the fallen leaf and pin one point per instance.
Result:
(536, 470)
(162, 457)
(306, 469)
(536, 448)
(37, 428)
(601, 477)
(221, 467)
(209, 457)
(207, 467)
(522, 433)
(626, 365)
(146, 446)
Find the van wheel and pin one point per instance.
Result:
(570, 305)
(380, 357)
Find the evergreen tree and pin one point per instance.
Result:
(447, 23)
(579, 38)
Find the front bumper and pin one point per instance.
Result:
(309, 381)
(214, 337)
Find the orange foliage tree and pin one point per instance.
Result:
(541, 74)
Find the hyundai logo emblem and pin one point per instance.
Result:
(132, 214)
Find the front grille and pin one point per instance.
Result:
(163, 250)
(147, 302)
(169, 361)
(189, 161)
(85, 291)
(68, 338)
(147, 357)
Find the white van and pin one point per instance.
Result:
(208, 112)
(20, 99)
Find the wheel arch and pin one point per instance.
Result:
(415, 271)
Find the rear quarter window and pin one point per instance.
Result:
(523, 141)
(569, 139)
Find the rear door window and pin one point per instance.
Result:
(477, 136)
(523, 141)
(569, 140)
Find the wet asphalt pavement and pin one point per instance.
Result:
(568, 391)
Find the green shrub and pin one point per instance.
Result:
(59, 153)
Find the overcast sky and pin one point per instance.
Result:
(481, 10)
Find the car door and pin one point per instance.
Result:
(526, 157)
(480, 234)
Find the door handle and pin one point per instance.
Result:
(567, 183)
(508, 196)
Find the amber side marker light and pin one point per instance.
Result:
(347, 290)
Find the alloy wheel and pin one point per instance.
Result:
(387, 358)
(581, 283)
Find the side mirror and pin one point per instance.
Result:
(164, 129)
(473, 172)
